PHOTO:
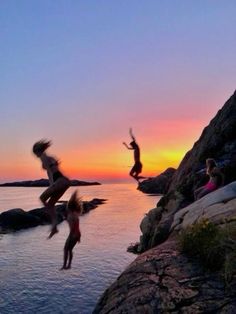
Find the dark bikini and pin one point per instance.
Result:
(56, 175)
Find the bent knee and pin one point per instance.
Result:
(42, 198)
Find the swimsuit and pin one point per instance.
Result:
(210, 186)
(56, 175)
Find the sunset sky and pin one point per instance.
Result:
(81, 73)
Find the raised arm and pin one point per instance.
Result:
(131, 134)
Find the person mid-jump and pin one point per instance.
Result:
(137, 168)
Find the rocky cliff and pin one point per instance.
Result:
(164, 279)
(218, 141)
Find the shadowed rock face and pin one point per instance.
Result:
(158, 184)
(218, 141)
(164, 281)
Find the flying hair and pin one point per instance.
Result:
(41, 146)
(75, 203)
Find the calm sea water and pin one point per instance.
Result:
(30, 280)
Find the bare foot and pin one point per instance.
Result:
(53, 231)
(63, 267)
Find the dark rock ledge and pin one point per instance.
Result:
(158, 184)
(162, 280)
(17, 219)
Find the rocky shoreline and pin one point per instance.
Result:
(163, 279)
(17, 219)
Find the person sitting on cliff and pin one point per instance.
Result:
(216, 179)
(137, 168)
(73, 209)
(58, 182)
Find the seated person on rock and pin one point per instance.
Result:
(216, 179)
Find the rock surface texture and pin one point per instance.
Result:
(162, 280)
(218, 207)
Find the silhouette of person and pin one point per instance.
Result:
(137, 168)
(216, 179)
(58, 182)
(74, 208)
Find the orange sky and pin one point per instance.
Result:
(162, 145)
(82, 75)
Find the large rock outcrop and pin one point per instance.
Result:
(159, 184)
(218, 207)
(162, 280)
(218, 141)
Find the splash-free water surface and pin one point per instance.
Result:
(30, 279)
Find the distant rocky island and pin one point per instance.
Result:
(45, 182)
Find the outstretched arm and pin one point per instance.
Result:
(127, 146)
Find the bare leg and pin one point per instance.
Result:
(49, 198)
(65, 258)
(52, 213)
(70, 259)
(203, 192)
(134, 175)
(53, 196)
(197, 192)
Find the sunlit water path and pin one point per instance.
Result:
(30, 280)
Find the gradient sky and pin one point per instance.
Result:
(82, 72)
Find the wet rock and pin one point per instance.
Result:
(17, 219)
